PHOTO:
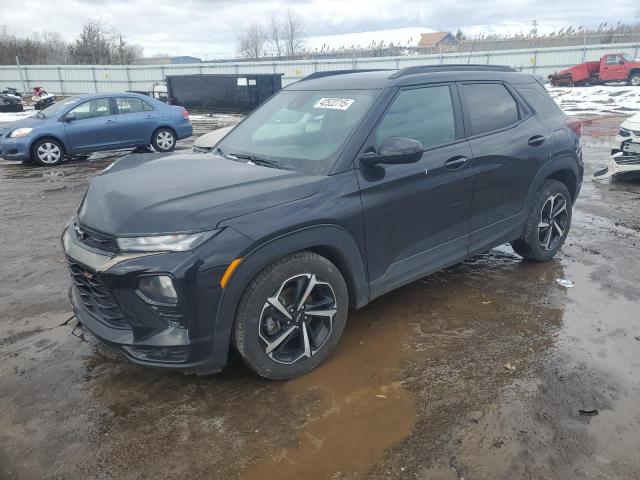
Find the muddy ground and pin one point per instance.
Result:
(477, 372)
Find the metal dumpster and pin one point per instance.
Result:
(222, 92)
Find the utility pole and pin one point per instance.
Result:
(534, 29)
(24, 84)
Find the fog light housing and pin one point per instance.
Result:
(158, 288)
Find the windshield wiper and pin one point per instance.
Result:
(264, 162)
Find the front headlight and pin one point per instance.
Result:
(21, 132)
(165, 243)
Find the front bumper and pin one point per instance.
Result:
(619, 165)
(190, 338)
(14, 149)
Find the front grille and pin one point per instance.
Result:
(95, 297)
(93, 238)
(627, 160)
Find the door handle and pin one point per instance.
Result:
(455, 162)
(536, 140)
(150, 116)
(110, 121)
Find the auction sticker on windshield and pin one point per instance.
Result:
(334, 103)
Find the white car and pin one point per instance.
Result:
(206, 142)
(625, 154)
(628, 138)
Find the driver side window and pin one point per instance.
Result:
(423, 114)
(99, 107)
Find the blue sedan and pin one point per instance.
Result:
(88, 123)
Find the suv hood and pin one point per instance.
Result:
(145, 194)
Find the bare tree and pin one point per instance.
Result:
(252, 41)
(293, 32)
(98, 46)
(275, 35)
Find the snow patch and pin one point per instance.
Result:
(6, 117)
(597, 100)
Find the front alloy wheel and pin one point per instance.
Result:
(291, 316)
(297, 319)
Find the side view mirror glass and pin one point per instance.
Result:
(395, 150)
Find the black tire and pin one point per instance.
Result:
(539, 242)
(47, 152)
(311, 338)
(634, 80)
(164, 140)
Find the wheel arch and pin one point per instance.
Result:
(167, 126)
(564, 169)
(48, 136)
(331, 241)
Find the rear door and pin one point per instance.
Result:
(91, 125)
(137, 120)
(508, 144)
(612, 69)
(417, 215)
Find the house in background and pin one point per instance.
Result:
(437, 42)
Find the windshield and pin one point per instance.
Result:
(57, 107)
(299, 130)
(627, 57)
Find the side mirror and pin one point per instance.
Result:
(395, 151)
(69, 117)
(621, 62)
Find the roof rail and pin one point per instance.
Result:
(331, 73)
(452, 67)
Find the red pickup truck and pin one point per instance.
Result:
(612, 67)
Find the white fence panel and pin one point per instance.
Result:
(74, 79)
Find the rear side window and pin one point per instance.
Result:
(544, 105)
(424, 114)
(130, 105)
(489, 106)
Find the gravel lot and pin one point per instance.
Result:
(477, 372)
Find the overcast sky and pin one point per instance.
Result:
(208, 28)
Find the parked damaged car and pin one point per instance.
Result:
(624, 162)
(335, 191)
(89, 123)
(205, 143)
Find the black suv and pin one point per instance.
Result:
(341, 187)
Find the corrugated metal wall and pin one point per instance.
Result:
(72, 79)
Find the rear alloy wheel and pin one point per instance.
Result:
(554, 220)
(48, 153)
(547, 223)
(291, 316)
(164, 140)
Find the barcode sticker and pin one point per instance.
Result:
(334, 103)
